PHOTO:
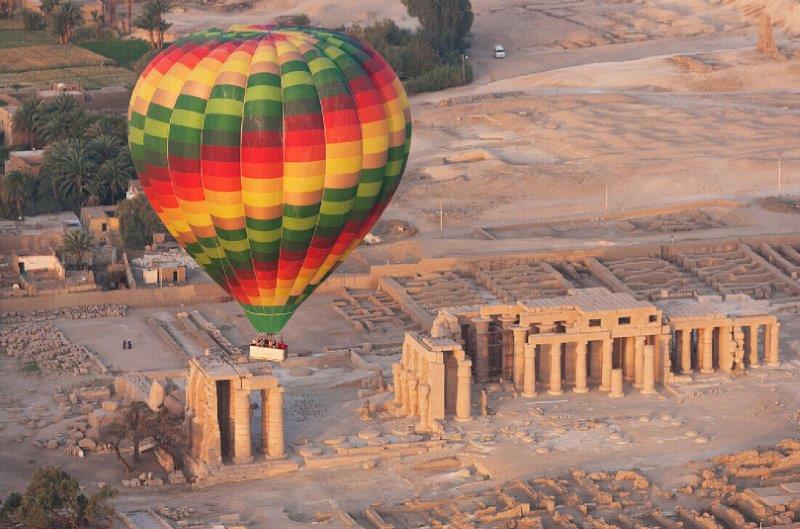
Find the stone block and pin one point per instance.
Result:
(179, 394)
(93, 394)
(164, 459)
(132, 387)
(176, 477)
(101, 417)
(174, 406)
(87, 444)
(110, 405)
(155, 397)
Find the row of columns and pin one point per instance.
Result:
(642, 364)
(728, 337)
(411, 397)
(272, 435)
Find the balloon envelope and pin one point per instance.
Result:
(269, 152)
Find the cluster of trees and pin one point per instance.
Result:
(61, 17)
(87, 161)
(64, 18)
(137, 222)
(139, 423)
(432, 58)
(53, 500)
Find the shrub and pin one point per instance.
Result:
(94, 32)
(300, 19)
(32, 20)
(10, 506)
(438, 78)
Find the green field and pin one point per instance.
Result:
(13, 35)
(35, 60)
(89, 77)
(124, 52)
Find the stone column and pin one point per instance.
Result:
(463, 390)
(424, 422)
(555, 370)
(264, 420)
(529, 382)
(401, 384)
(275, 444)
(686, 351)
(616, 383)
(581, 372)
(608, 364)
(752, 346)
(481, 348)
(629, 358)
(507, 321)
(649, 368)
(520, 336)
(398, 394)
(197, 437)
(725, 353)
(705, 350)
(772, 354)
(413, 405)
(242, 444)
(638, 368)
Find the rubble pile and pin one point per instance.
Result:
(218, 337)
(69, 313)
(145, 479)
(44, 347)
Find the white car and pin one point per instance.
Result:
(499, 51)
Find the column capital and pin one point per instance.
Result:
(481, 324)
(507, 319)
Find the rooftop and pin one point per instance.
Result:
(60, 221)
(33, 156)
(598, 299)
(713, 306)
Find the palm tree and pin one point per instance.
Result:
(152, 20)
(115, 173)
(55, 125)
(128, 15)
(115, 126)
(65, 18)
(62, 103)
(15, 190)
(26, 119)
(47, 6)
(114, 166)
(77, 243)
(70, 164)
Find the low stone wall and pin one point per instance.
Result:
(336, 283)
(140, 297)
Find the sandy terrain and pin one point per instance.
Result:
(611, 123)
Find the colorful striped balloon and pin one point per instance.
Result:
(269, 152)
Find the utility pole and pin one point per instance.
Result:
(464, 58)
(441, 220)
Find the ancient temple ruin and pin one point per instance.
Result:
(713, 333)
(432, 379)
(219, 415)
(588, 338)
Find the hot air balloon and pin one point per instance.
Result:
(269, 152)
